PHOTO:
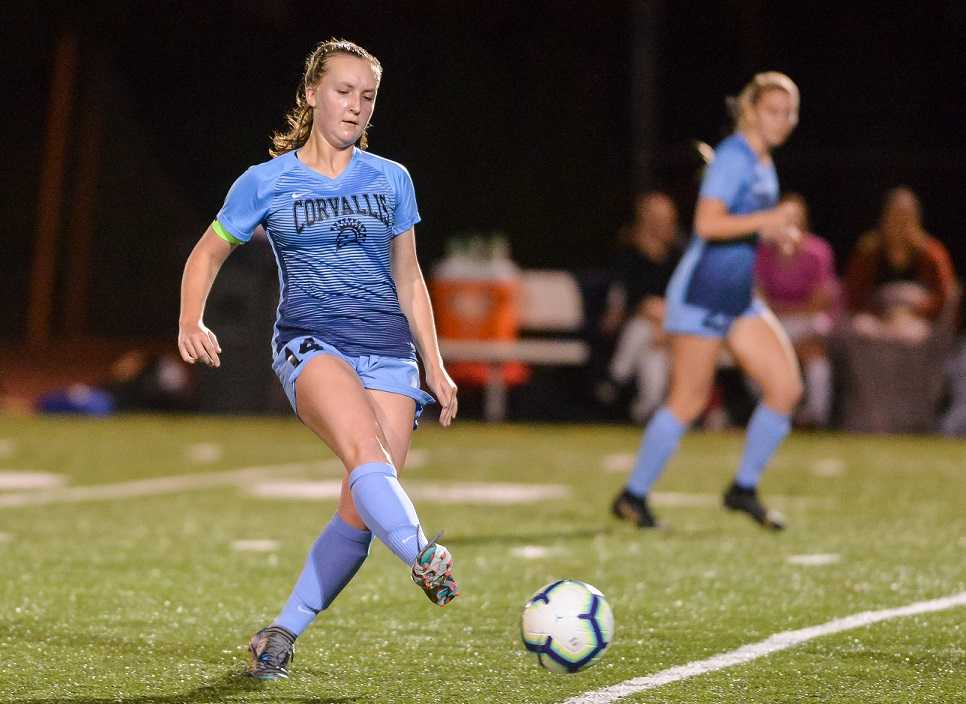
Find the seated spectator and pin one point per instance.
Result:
(899, 277)
(800, 287)
(953, 422)
(903, 295)
(635, 305)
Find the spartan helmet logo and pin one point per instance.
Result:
(348, 230)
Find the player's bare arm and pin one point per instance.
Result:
(416, 306)
(195, 341)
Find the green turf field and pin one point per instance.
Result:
(147, 599)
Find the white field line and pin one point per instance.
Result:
(822, 558)
(531, 552)
(682, 499)
(204, 452)
(13, 479)
(160, 485)
(255, 545)
(8, 447)
(497, 493)
(773, 644)
(416, 458)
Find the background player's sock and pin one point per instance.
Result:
(332, 562)
(766, 430)
(661, 439)
(387, 509)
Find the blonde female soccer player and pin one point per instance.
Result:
(352, 304)
(711, 303)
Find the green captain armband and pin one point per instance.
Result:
(225, 234)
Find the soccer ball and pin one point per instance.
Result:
(568, 624)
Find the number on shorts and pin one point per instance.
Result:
(309, 345)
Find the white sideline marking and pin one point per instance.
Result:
(14, 479)
(204, 452)
(417, 458)
(687, 500)
(8, 446)
(485, 493)
(530, 552)
(255, 545)
(816, 559)
(679, 498)
(464, 493)
(5, 538)
(617, 462)
(773, 644)
(829, 467)
(160, 485)
(296, 490)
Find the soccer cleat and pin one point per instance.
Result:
(433, 573)
(634, 509)
(739, 498)
(272, 650)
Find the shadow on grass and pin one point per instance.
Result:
(228, 687)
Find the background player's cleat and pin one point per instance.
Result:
(272, 650)
(634, 509)
(433, 573)
(739, 498)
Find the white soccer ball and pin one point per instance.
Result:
(568, 624)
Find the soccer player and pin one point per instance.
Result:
(352, 303)
(710, 304)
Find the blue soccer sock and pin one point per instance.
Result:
(661, 439)
(332, 562)
(387, 509)
(766, 430)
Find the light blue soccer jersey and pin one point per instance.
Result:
(332, 241)
(718, 276)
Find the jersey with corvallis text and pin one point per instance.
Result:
(332, 241)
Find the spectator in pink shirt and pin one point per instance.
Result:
(800, 286)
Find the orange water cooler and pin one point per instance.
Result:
(479, 300)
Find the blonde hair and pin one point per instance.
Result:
(299, 118)
(741, 107)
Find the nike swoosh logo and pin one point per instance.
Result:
(296, 196)
(305, 610)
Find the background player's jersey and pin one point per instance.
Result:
(331, 239)
(721, 274)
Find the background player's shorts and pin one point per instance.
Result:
(722, 290)
(399, 376)
(684, 319)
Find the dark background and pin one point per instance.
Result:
(520, 117)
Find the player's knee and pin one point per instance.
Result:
(687, 407)
(360, 450)
(784, 396)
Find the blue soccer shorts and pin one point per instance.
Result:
(392, 374)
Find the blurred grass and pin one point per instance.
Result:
(144, 600)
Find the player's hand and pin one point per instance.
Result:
(196, 343)
(790, 240)
(780, 227)
(443, 388)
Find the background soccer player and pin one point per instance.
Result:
(353, 301)
(710, 303)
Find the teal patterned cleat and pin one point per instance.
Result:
(272, 650)
(433, 573)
